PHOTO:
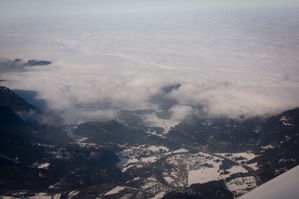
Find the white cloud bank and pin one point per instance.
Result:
(227, 64)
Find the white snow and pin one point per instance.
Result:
(169, 179)
(237, 169)
(286, 124)
(141, 155)
(239, 186)
(124, 169)
(158, 148)
(159, 195)
(267, 147)
(233, 170)
(73, 193)
(285, 121)
(156, 134)
(132, 160)
(115, 190)
(148, 185)
(203, 175)
(90, 144)
(44, 166)
(180, 151)
(187, 168)
(253, 166)
(82, 139)
(137, 178)
(152, 179)
(149, 159)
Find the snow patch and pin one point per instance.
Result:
(44, 166)
(159, 195)
(180, 151)
(253, 166)
(240, 186)
(149, 159)
(158, 148)
(202, 175)
(114, 191)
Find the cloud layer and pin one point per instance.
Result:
(226, 65)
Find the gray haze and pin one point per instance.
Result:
(37, 8)
(228, 63)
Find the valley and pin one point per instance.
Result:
(132, 158)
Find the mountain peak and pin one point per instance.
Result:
(10, 99)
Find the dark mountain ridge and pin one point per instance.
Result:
(9, 99)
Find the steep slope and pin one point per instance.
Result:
(112, 131)
(8, 117)
(40, 158)
(10, 99)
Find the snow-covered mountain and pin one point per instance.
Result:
(132, 158)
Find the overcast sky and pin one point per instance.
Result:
(17, 8)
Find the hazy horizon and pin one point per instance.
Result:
(37, 8)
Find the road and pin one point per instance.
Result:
(155, 168)
(199, 148)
